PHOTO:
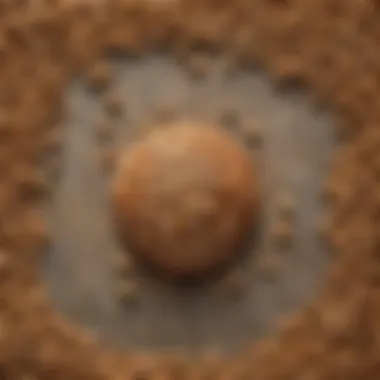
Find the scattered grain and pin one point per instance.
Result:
(198, 65)
(283, 233)
(128, 291)
(105, 131)
(252, 134)
(269, 266)
(230, 118)
(286, 206)
(113, 104)
(123, 263)
(99, 76)
(164, 113)
(234, 284)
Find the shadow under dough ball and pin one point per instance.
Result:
(185, 199)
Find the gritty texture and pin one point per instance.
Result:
(330, 47)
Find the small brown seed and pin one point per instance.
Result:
(230, 118)
(230, 67)
(332, 191)
(145, 129)
(53, 141)
(283, 233)
(105, 131)
(269, 266)
(197, 66)
(123, 263)
(31, 182)
(113, 104)
(32, 231)
(88, 337)
(233, 284)
(286, 205)
(99, 76)
(65, 327)
(164, 113)
(286, 71)
(128, 292)
(252, 134)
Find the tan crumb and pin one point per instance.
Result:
(252, 134)
(123, 263)
(113, 104)
(99, 76)
(88, 337)
(229, 118)
(53, 141)
(233, 284)
(286, 71)
(128, 292)
(33, 229)
(147, 128)
(31, 182)
(269, 266)
(286, 205)
(283, 233)
(230, 67)
(66, 328)
(290, 324)
(164, 113)
(105, 131)
(331, 191)
(197, 66)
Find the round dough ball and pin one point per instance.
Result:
(185, 198)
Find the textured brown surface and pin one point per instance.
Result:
(331, 47)
(185, 198)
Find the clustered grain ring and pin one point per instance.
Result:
(331, 47)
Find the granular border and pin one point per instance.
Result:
(329, 47)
